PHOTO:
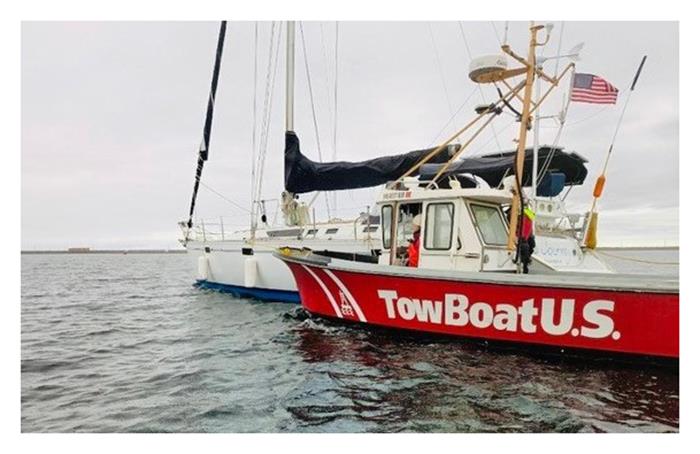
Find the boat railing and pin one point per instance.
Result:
(227, 229)
(215, 230)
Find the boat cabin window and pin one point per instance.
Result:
(331, 231)
(311, 231)
(438, 226)
(387, 216)
(407, 213)
(489, 221)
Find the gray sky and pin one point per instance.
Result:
(112, 115)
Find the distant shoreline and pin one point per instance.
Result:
(110, 251)
(183, 251)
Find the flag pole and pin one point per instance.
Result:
(591, 240)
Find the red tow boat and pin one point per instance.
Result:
(608, 312)
(468, 273)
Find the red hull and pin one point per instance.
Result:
(619, 321)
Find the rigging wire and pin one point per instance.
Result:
(566, 101)
(253, 220)
(326, 72)
(495, 31)
(224, 197)
(313, 108)
(481, 90)
(267, 111)
(504, 128)
(449, 122)
(335, 113)
(442, 73)
(266, 102)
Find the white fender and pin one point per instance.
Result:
(250, 271)
(203, 268)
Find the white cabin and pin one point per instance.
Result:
(466, 229)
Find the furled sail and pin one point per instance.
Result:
(304, 175)
(204, 147)
(493, 167)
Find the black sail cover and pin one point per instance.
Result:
(304, 175)
(493, 167)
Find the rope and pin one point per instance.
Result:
(313, 108)
(653, 262)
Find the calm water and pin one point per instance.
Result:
(121, 343)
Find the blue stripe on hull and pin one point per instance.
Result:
(262, 294)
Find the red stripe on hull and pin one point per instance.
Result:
(614, 321)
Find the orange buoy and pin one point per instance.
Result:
(599, 184)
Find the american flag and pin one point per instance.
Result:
(593, 89)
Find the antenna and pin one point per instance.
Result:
(573, 55)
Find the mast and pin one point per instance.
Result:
(524, 123)
(536, 143)
(290, 77)
(204, 147)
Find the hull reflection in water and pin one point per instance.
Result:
(375, 380)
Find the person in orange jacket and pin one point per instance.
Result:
(414, 247)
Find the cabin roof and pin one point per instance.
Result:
(419, 194)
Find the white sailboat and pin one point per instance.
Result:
(241, 262)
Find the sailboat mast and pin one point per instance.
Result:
(524, 123)
(290, 77)
(204, 147)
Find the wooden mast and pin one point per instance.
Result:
(524, 124)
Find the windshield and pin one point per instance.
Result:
(489, 221)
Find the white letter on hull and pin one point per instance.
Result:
(528, 311)
(456, 309)
(388, 296)
(506, 318)
(566, 316)
(481, 315)
(428, 311)
(604, 325)
(405, 307)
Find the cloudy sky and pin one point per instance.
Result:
(112, 116)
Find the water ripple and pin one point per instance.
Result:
(114, 343)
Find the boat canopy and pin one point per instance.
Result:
(494, 167)
(304, 175)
